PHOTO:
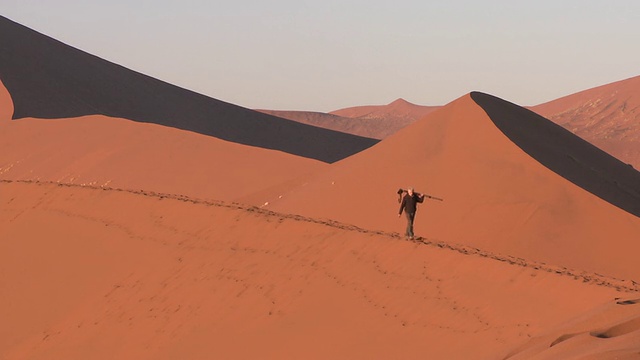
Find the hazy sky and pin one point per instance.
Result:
(324, 55)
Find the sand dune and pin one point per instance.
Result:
(370, 129)
(386, 119)
(497, 197)
(378, 121)
(98, 150)
(399, 109)
(6, 105)
(566, 154)
(607, 116)
(134, 274)
(75, 84)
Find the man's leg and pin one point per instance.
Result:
(410, 217)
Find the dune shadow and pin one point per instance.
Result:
(565, 153)
(50, 80)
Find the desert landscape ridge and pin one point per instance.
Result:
(623, 285)
(75, 83)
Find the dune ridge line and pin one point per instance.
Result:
(622, 285)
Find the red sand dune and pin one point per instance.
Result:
(6, 105)
(131, 274)
(399, 108)
(607, 116)
(375, 122)
(74, 84)
(386, 120)
(375, 129)
(97, 150)
(497, 197)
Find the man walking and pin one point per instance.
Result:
(409, 205)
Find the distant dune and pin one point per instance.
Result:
(378, 121)
(48, 79)
(497, 196)
(608, 116)
(333, 122)
(387, 119)
(399, 109)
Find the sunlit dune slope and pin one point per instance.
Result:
(103, 151)
(134, 274)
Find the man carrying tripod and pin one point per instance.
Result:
(409, 204)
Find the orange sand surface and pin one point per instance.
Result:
(97, 150)
(91, 272)
(6, 105)
(611, 331)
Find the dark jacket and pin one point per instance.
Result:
(408, 203)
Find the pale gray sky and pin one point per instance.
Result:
(324, 55)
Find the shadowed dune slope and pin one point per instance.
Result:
(607, 116)
(48, 79)
(496, 196)
(565, 153)
(98, 150)
(132, 275)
